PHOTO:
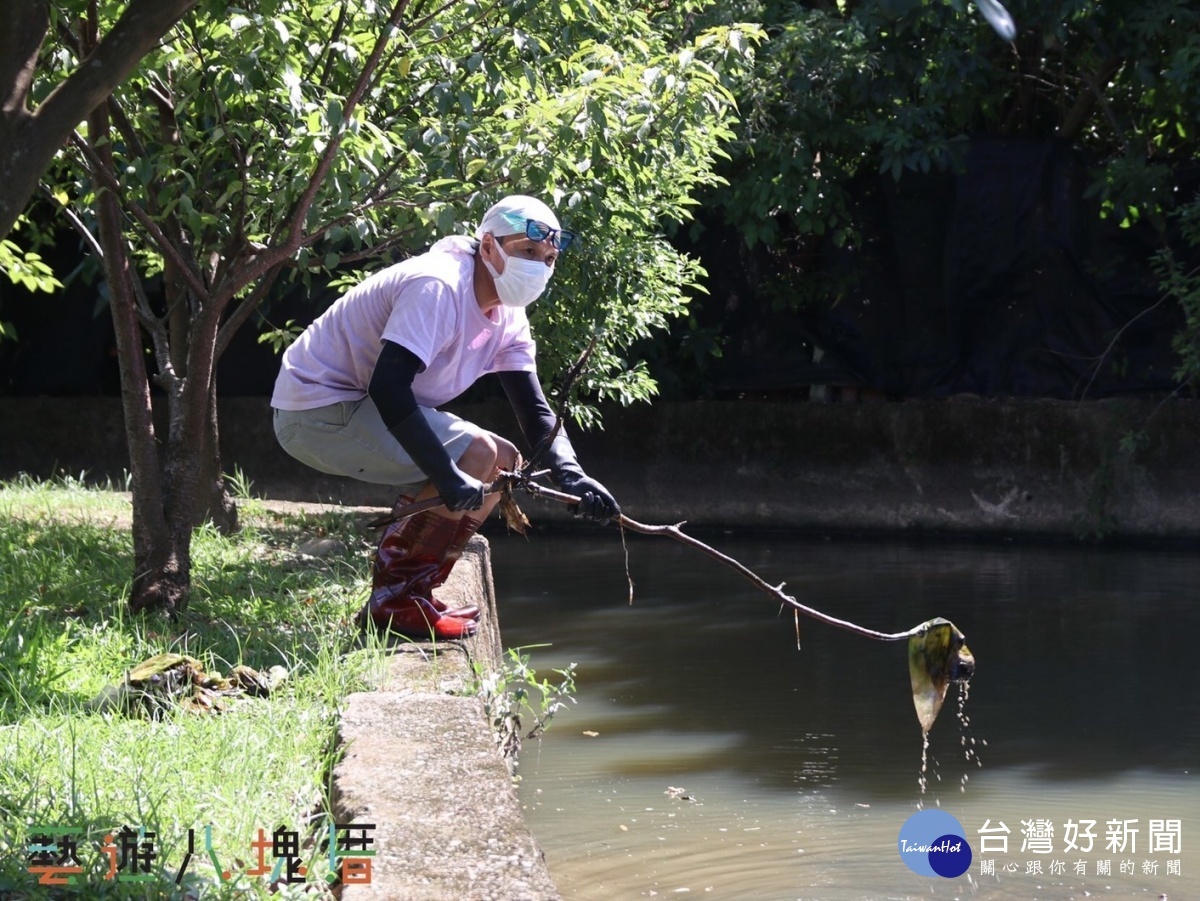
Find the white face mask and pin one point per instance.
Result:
(522, 281)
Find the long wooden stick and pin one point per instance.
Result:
(506, 480)
(776, 591)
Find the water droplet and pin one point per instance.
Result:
(923, 777)
(968, 743)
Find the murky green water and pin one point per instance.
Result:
(727, 764)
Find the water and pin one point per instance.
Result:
(727, 764)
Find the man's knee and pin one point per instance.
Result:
(487, 454)
(506, 454)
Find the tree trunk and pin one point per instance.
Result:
(211, 499)
(172, 490)
(20, 40)
(218, 504)
(162, 572)
(161, 549)
(187, 453)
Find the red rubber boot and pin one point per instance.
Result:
(416, 555)
(466, 528)
(418, 558)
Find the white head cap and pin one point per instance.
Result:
(508, 216)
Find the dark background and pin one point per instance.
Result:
(1000, 281)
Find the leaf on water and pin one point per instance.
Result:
(937, 656)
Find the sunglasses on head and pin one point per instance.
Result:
(540, 231)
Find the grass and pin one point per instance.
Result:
(64, 496)
(65, 634)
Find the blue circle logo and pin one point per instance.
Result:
(931, 843)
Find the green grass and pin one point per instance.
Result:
(64, 495)
(65, 634)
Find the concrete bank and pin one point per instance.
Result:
(421, 764)
(1121, 469)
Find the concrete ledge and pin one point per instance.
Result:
(421, 764)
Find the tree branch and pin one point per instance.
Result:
(244, 311)
(45, 130)
(417, 26)
(20, 41)
(88, 238)
(335, 35)
(564, 399)
(1117, 337)
(108, 182)
(1078, 115)
(134, 35)
(294, 226)
(508, 480)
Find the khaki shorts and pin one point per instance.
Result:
(350, 439)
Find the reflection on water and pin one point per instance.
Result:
(728, 764)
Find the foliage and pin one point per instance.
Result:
(1180, 280)
(25, 268)
(848, 91)
(515, 691)
(279, 337)
(897, 86)
(288, 139)
(615, 126)
(240, 484)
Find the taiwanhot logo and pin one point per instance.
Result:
(931, 843)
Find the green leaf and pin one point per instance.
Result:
(235, 187)
(333, 113)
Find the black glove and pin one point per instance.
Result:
(459, 491)
(595, 503)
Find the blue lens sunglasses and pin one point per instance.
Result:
(540, 231)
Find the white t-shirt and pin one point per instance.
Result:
(426, 304)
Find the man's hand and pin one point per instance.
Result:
(595, 502)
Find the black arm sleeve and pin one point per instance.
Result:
(391, 391)
(537, 422)
(391, 383)
(534, 415)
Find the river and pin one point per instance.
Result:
(707, 757)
